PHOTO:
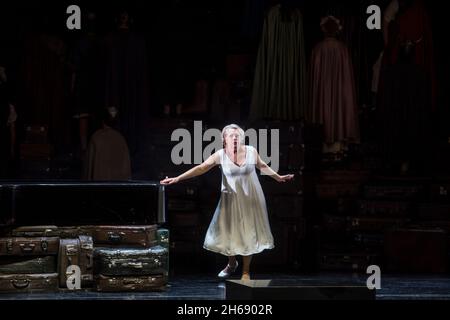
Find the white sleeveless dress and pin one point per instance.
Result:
(240, 225)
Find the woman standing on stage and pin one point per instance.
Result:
(240, 225)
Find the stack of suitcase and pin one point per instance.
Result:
(129, 258)
(29, 264)
(70, 246)
(125, 258)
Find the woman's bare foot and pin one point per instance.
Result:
(245, 276)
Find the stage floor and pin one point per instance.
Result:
(197, 287)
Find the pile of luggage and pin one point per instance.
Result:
(98, 258)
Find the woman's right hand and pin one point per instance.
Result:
(168, 181)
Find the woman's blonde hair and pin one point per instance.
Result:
(234, 126)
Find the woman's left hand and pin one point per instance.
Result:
(286, 178)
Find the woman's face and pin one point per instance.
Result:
(231, 137)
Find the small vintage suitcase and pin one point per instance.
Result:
(48, 231)
(29, 283)
(131, 261)
(29, 246)
(27, 265)
(80, 252)
(124, 284)
(142, 236)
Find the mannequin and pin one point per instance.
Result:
(333, 98)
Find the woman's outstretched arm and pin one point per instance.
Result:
(196, 171)
(265, 169)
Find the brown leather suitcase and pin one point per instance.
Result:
(143, 236)
(131, 261)
(18, 246)
(49, 231)
(27, 265)
(29, 283)
(124, 284)
(80, 252)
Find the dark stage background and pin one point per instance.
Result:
(382, 200)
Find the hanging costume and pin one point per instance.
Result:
(279, 88)
(333, 98)
(407, 89)
(108, 156)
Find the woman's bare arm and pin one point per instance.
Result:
(196, 171)
(265, 169)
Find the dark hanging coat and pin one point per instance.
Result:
(413, 25)
(279, 88)
(333, 98)
(108, 156)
